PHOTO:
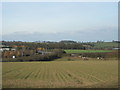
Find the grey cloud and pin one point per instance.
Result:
(94, 35)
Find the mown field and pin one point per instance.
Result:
(60, 74)
(86, 51)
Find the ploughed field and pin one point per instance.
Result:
(60, 74)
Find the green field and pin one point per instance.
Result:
(105, 45)
(86, 51)
(60, 74)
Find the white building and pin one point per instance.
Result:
(7, 48)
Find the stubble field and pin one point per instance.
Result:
(60, 74)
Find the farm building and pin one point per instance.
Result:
(116, 48)
(6, 48)
(42, 51)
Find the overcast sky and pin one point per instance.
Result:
(83, 21)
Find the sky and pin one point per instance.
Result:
(55, 21)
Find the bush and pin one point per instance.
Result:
(46, 57)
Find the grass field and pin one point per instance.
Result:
(60, 74)
(86, 51)
(106, 45)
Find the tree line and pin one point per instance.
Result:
(64, 44)
(49, 45)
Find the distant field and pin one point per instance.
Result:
(86, 51)
(60, 74)
(106, 45)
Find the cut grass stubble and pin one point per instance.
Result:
(60, 74)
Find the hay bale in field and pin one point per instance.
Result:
(98, 58)
(80, 56)
(85, 58)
